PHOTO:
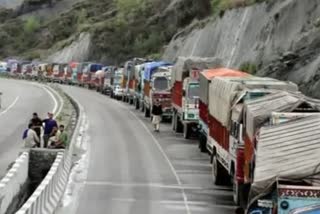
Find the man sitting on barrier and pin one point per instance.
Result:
(61, 141)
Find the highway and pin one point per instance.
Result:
(19, 100)
(133, 170)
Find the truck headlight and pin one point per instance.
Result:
(284, 205)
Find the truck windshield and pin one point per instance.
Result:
(160, 83)
(193, 91)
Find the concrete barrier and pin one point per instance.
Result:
(46, 197)
(13, 183)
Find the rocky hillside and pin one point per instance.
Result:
(277, 38)
(118, 29)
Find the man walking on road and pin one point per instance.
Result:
(37, 124)
(156, 115)
(49, 124)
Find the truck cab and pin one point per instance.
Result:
(190, 99)
(160, 89)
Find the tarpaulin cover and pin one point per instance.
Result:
(224, 90)
(207, 75)
(185, 64)
(259, 110)
(95, 67)
(288, 151)
(151, 67)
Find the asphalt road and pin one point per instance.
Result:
(134, 170)
(19, 100)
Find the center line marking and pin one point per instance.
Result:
(10, 106)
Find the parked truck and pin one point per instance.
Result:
(185, 92)
(285, 172)
(156, 86)
(205, 80)
(225, 141)
(117, 84)
(131, 79)
(138, 86)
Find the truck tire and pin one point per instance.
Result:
(218, 172)
(179, 125)
(174, 122)
(147, 112)
(142, 107)
(131, 101)
(203, 143)
(137, 104)
(186, 131)
(236, 191)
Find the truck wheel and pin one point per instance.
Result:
(203, 143)
(218, 172)
(142, 107)
(174, 122)
(236, 191)
(131, 101)
(147, 113)
(137, 104)
(186, 131)
(179, 125)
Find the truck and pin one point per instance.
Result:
(58, 72)
(156, 86)
(185, 92)
(88, 71)
(226, 141)
(285, 169)
(205, 79)
(117, 84)
(108, 81)
(138, 86)
(129, 76)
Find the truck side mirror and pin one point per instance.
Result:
(184, 93)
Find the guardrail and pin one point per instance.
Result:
(14, 180)
(46, 197)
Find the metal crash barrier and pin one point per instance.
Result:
(14, 180)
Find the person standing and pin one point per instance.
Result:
(31, 139)
(156, 115)
(37, 124)
(49, 125)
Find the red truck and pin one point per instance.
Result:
(185, 92)
(205, 80)
(226, 141)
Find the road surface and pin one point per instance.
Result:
(134, 170)
(19, 100)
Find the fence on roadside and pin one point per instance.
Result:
(13, 182)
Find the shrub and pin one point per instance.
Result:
(31, 25)
(248, 67)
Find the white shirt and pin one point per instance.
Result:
(31, 139)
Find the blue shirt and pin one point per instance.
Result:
(48, 125)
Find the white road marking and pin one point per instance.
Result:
(174, 202)
(60, 99)
(185, 199)
(53, 98)
(151, 185)
(10, 106)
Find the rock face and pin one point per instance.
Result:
(79, 50)
(280, 38)
(11, 4)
